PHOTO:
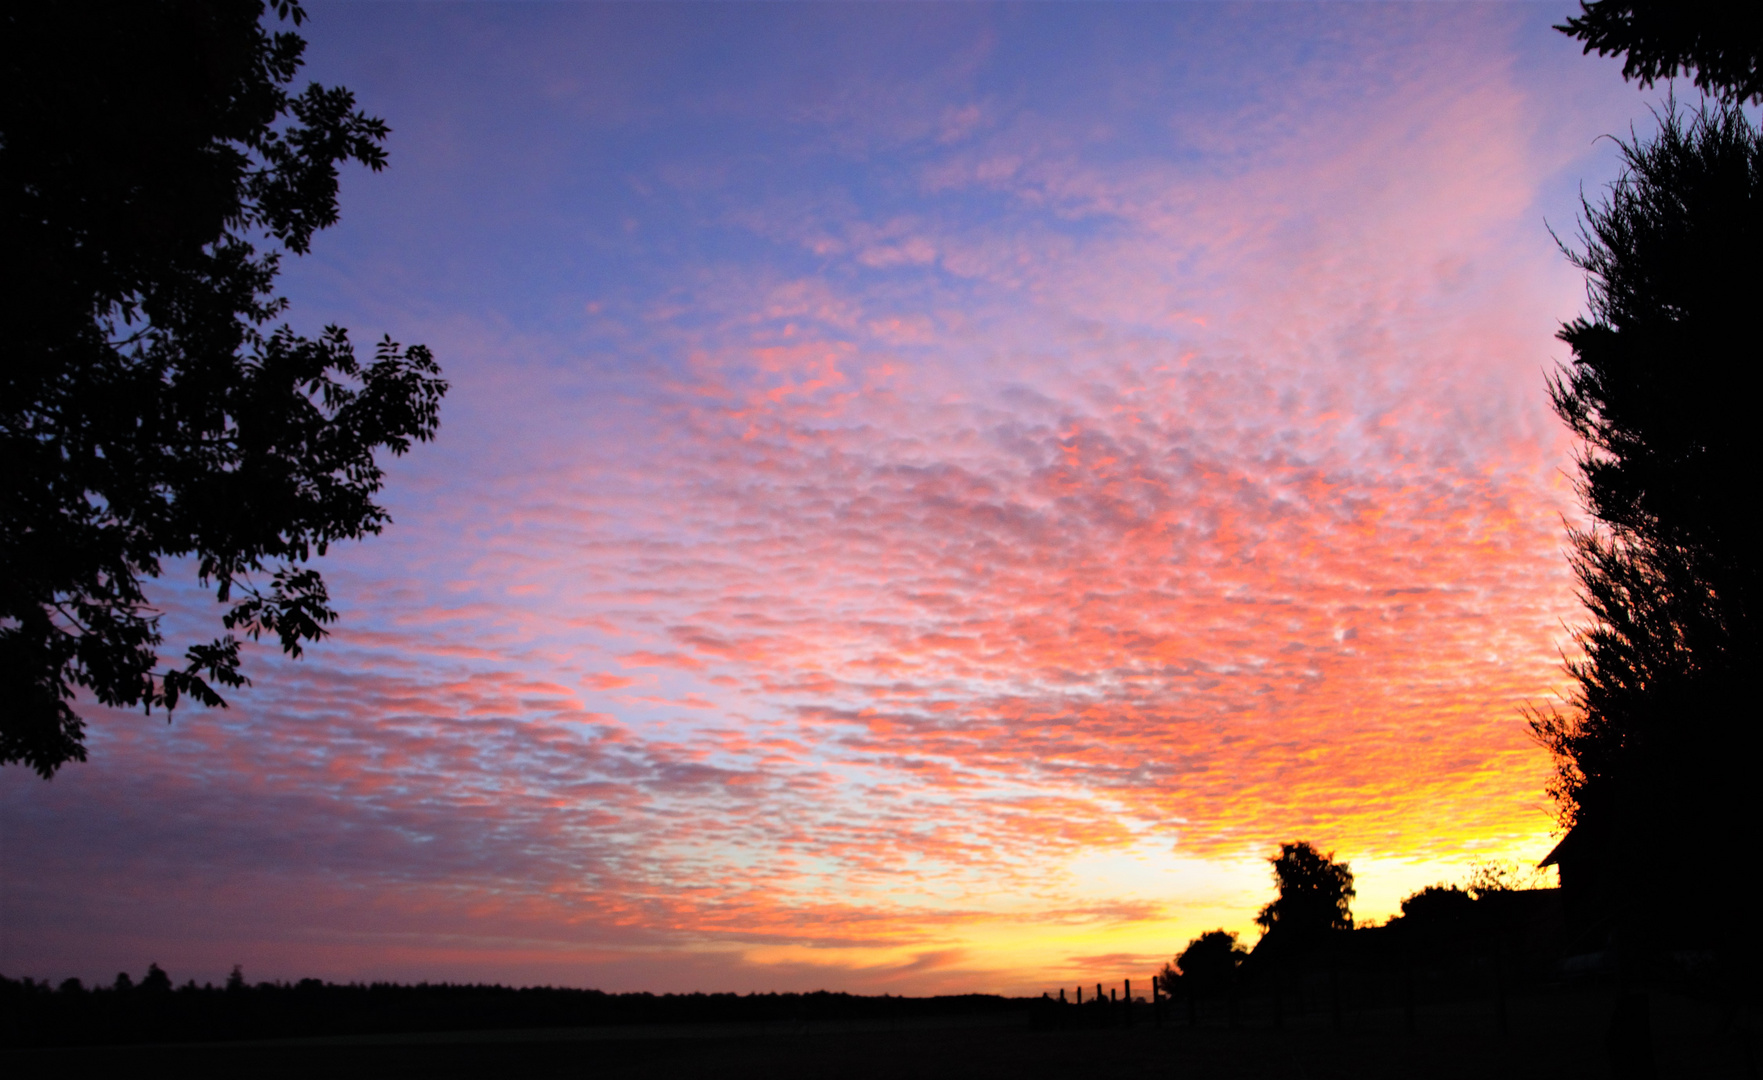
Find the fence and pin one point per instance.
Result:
(1335, 992)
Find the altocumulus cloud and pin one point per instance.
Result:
(890, 482)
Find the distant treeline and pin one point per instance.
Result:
(35, 1013)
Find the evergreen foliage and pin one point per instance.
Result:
(1721, 41)
(1657, 748)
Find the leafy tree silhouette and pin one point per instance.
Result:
(153, 171)
(1315, 892)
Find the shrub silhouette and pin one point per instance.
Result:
(1437, 904)
(1206, 967)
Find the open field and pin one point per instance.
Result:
(1554, 1037)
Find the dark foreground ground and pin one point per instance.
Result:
(1555, 1037)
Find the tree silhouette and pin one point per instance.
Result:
(1721, 42)
(156, 980)
(1315, 892)
(153, 171)
(1657, 748)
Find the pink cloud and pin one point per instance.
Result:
(645, 658)
(601, 681)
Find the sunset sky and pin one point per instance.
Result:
(930, 497)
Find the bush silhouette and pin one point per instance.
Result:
(1206, 967)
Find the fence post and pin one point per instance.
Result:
(1128, 995)
(1156, 1002)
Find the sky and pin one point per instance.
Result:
(930, 497)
